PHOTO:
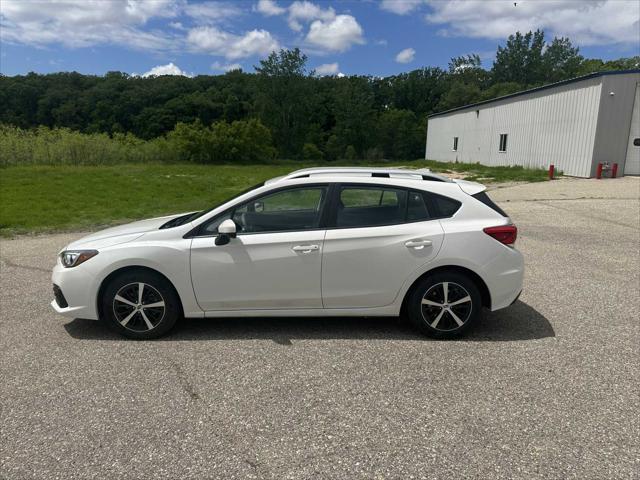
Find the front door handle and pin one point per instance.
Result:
(305, 248)
(418, 243)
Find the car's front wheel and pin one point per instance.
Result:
(140, 305)
(445, 305)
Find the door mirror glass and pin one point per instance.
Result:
(258, 206)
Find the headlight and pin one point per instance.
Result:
(73, 258)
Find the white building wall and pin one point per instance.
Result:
(555, 125)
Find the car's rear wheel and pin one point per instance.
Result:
(445, 305)
(140, 305)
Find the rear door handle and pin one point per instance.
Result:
(418, 243)
(305, 248)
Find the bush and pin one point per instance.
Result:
(373, 154)
(350, 153)
(61, 146)
(241, 141)
(311, 152)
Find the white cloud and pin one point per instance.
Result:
(304, 11)
(225, 67)
(328, 69)
(82, 23)
(585, 23)
(217, 42)
(406, 55)
(168, 69)
(269, 8)
(337, 35)
(212, 12)
(400, 7)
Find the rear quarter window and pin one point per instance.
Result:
(441, 206)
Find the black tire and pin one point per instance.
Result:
(129, 317)
(441, 322)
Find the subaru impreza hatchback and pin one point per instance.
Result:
(316, 242)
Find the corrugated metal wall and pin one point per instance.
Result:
(550, 126)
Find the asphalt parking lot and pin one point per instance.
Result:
(546, 389)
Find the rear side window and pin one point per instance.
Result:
(417, 208)
(370, 206)
(484, 198)
(440, 206)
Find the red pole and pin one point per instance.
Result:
(614, 170)
(551, 169)
(599, 171)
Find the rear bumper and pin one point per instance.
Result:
(504, 277)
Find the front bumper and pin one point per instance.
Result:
(77, 291)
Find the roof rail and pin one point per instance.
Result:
(378, 172)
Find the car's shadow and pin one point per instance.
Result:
(519, 322)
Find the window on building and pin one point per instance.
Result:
(455, 144)
(503, 142)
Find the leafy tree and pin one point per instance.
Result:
(500, 89)
(520, 60)
(350, 153)
(464, 62)
(560, 60)
(282, 98)
(459, 94)
(399, 135)
(311, 152)
(354, 113)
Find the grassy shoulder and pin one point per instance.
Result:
(37, 199)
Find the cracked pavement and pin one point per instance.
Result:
(545, 389)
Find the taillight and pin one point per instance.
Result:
(506, 234)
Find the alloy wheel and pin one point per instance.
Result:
(138, 307)
(446, 306)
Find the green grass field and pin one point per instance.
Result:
(60, 198)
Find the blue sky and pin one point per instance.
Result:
(340, 37)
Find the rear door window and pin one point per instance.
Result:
(362, 206)
(417, 208)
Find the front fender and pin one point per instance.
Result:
(171, 259)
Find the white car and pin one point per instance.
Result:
(316, 242)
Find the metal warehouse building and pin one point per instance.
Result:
(574, 124)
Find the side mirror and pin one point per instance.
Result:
(226, 231)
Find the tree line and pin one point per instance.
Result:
(283, 110)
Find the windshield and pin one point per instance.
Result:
(192, 216)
